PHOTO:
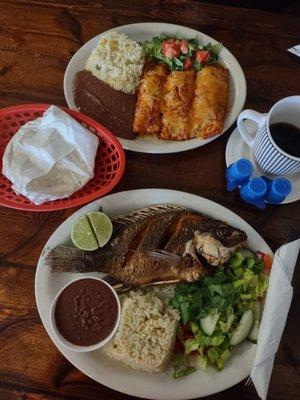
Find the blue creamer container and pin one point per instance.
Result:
(254, 192)
(277, 189)
(238, 173)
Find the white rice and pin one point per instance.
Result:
(165, 292)
(118, 61)
(146, 334)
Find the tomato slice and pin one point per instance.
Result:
(166, 44)
(187, 64)
(170, 48)
(202, 56)
(184, 48)
(187, 333)
(268, 262)
(178, 347)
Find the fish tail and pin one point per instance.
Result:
(70, 259)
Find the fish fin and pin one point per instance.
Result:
(159, 255)
(146, 212)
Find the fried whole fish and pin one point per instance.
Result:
(174, 230)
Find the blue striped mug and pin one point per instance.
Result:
(270, 158)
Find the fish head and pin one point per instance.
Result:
(228, 236)
(216, 246)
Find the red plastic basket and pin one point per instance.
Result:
(109, 163)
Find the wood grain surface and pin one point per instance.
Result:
(37, 39)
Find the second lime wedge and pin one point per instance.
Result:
(102, 227)
(83, 236)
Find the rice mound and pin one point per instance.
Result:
(146, 334)
(118, 61)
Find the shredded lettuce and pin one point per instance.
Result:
(184, 372)
(153, 49)
(231, 290)
(180, 368)
(225, 326)
(198, 361)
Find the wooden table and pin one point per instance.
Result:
(37, 39)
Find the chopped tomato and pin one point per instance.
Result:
(178, 346)
(167, 43)
(170, 48)
(171, 52)
(185, 328)
(184, 48)
(202, 56)
(187, 333)
(268, 262)
(187, 64)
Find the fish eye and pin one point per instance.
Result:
(224, 231)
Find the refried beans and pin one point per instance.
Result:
(112, 108)
(86, 312)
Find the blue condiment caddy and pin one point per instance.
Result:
(258, 190)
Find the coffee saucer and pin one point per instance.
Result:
(236, 148)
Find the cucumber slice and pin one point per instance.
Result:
(253, 334)
(242, 330)
(254, 331)
(209, 323)
(246, 253)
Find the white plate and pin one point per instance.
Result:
(237, 148)
(145, 31)
(115, 375)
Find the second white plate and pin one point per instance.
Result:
(113, 374)
(145, 31)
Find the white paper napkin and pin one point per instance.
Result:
(295, 50)
(51, 157)
(277, 305)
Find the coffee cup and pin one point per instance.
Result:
(268, 155)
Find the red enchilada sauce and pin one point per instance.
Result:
(86, 312)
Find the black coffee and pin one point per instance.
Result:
(287, 137)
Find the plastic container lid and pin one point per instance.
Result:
(254, 192)
(257, 187)
(281, 186)
(238, 173)
(242, 169)
(278, 189)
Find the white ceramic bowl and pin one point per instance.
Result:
(72, 346)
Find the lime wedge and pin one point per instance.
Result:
(102, 227)
(83, 236)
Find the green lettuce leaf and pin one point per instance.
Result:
(231, 290)
(183, 372)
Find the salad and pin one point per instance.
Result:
(181, 54)
(219, 312)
